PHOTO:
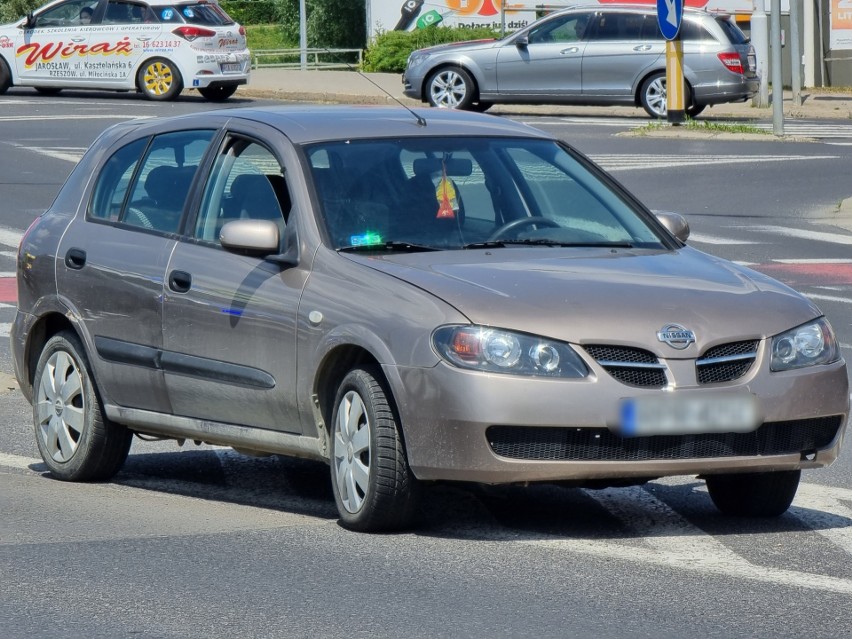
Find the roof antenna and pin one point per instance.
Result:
(421, 121)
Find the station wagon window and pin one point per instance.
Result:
(568, 28)
(247, 183)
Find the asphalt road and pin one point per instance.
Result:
(200, 542)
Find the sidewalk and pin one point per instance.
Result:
(381, 88)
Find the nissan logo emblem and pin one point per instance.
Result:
(676, 336)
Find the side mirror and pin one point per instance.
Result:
(522, 41)
(29, 23)
(675, 223)
(255, 237)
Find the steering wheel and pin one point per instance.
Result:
(521, 223)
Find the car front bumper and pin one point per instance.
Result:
(469, 426)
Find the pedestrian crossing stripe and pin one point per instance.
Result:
(633, 162)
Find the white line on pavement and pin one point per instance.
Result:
(9, 237)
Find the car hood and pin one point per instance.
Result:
(604, 295)
(468, 45)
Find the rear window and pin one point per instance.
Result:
(735, 35)
(202, 13)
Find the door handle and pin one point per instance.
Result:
(180, 281)
(570, 50)
(642, 47)
(75, 258)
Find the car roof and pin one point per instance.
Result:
(639, 7)
(304, 124)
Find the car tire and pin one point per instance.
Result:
(754, 494)
(450, 88)
(75, 440)
(481, 107)
(159, 79)
(219, 93)
(694, 110)
(373, 486)
(48, 90)
(652, 95)
(5, 77)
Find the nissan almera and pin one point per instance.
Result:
(408, 296)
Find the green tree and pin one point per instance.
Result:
(11, 10)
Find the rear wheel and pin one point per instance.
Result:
(373, 486)
(75, 440)
(5, 77)
(481, 107)
(694, 110)
(219, 93)
(159, 79)
(754, 494)
(48, 90)
(450, 88)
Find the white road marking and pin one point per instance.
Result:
(5, 329)
(633, 162)
(816, 260)
(668, 539)
(804, 234)
(76, 116)
(827, 298)
(701, 238)
(10, 237)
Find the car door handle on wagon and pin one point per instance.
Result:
(180, 281)
(570, 50)
(75, 258)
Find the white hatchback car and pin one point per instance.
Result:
(159, 47)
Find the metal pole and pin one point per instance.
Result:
(760, 42)
(808, 45)
(303, 35)
(777, 82)
(795, 53)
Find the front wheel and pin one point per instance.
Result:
(754, 494)
(218, 93)
(75, 440)
(652, 95)
(373, 486)
(5, 77)
(159, 79)
(450, 88)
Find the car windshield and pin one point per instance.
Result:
(456, 192)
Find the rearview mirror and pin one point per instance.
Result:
(522, 41)
(257, 237)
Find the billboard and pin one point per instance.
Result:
(407, 15)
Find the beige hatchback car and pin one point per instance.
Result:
(408, 296)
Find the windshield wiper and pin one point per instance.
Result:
(545, 242)
(405, 247)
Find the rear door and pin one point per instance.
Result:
(111, 261)
(622, 47)
(549, 64)
(117, 42)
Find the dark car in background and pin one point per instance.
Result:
(607, 55)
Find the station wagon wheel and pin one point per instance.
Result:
(5, 77)
(75, 440)
(373, 486)
(450, 88)
(694, 110)
(159, 79)
(218, 94)
(754, 494)
(653, 95)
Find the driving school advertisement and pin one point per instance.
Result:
(407, 15)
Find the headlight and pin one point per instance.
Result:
(416, 58)
(497, 351)
(808, 345)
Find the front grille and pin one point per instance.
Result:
(600, 444)
(631, 366)
(726, 362)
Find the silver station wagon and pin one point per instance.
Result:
(408, 297)
(607, 55)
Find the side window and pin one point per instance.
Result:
(114, 181)
(163, 180)
(67, 14)
(247, 183)
(570, 28)
(117, 13)
(694, 32)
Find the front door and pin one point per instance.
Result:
(549, 64)
(50, 52)
(229, 320)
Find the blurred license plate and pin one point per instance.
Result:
(231, 67)
(673, 415)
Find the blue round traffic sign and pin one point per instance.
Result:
(669, 17)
